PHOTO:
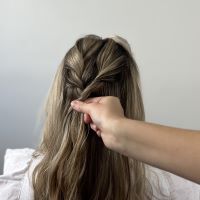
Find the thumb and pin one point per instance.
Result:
(80, 106)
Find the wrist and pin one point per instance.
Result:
(117, 130)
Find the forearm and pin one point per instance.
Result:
(174, 150)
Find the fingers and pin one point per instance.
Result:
(80, 106)
(94, 127)
(93, 100)
(98, 132)
(83, 107)
(87, 118)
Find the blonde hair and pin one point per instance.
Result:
(76, 165)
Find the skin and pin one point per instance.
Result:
(172, 149)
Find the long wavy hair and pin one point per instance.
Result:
(75, 164)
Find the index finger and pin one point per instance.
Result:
(93, 100)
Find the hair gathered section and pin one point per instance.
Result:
(87, 67)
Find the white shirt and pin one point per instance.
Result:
(15, 183)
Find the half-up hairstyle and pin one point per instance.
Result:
(75, 164)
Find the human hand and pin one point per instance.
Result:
(103, 114)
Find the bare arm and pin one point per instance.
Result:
(172, 149)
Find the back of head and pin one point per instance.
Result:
(76, 165)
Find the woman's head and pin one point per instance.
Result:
(102, 67)
(76, 164)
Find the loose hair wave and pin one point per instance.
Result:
(76, 165)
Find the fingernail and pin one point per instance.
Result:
(73, 103)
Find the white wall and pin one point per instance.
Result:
(35, 35)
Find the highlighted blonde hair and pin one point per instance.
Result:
(76, 165)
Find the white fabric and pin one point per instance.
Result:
(15, 183)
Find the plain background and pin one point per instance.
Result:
(35, 35)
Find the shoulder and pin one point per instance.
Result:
(177, 187)
(14, 180)
(16, 159)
